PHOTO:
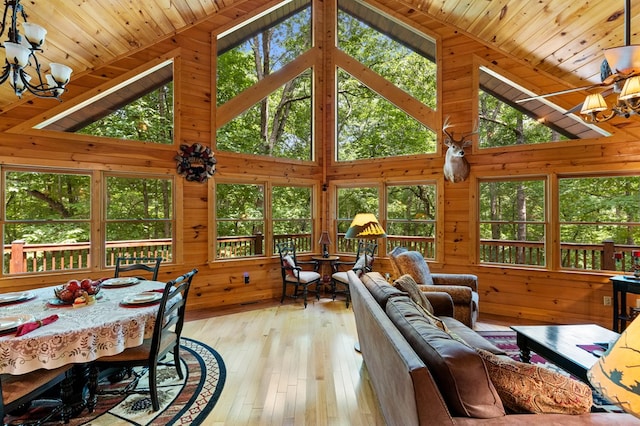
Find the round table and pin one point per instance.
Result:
(81, 334)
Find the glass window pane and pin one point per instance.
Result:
(352, 201)
(291, 212)
(139, 218)
(411, 218)
(47, 221)
(369, 126)
(239, 220)
(599, 216)
(512, 222)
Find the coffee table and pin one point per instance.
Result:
(559, 344)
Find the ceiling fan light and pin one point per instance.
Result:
(593, 103)
(631, 89)
(623, 59)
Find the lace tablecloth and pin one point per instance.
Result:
(80, 334)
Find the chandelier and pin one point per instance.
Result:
(21, 60)
(621, 68)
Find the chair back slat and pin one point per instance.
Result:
(148, 264)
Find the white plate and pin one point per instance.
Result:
(12, 297)
(144, 297)
(119, 281)
(7, 323)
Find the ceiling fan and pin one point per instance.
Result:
(619, 73)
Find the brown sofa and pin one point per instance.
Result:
(463, 288)
(409, 392)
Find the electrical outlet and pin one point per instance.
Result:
(246, 278)
(606, 300)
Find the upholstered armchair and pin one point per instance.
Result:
(463, 288)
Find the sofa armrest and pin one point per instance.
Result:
(442, 303)
(459, 294)
(468, 280)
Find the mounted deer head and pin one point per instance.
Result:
(456, 167)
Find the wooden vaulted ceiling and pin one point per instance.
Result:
(564, 39)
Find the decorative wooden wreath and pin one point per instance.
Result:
(196, 162)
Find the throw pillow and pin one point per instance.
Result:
(407, 283)
(529, 388)
(289, 264)
(457, 369)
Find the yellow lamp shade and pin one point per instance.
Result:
(631, 89)
(593, 103)
(616, 375)
(365, 225)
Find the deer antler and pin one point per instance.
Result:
(447, 124)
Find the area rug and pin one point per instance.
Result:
(506, 340)
(186, 401)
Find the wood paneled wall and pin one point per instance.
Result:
(555, 296)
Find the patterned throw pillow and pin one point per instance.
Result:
(529, 388)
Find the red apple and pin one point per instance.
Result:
(85, 284)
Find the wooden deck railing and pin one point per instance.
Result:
(20, 257)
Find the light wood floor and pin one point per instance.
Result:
(287, 365)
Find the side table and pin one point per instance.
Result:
(326, 267)
(621, 286)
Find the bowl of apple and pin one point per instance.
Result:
(78, 291)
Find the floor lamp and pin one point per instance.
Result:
(364, 226)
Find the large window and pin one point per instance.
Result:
(512, 222)
(408, 215)
(51, 224)
(241, 218)
(599, 216)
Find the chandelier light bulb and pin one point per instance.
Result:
(34, 34)
(17, 54)
(61, 73)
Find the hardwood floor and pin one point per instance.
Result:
(287, 365)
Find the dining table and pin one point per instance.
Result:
(122, 316)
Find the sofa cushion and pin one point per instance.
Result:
(379, 288)
(457, 369)
(529, 388)
(407, 284)
(413, 263)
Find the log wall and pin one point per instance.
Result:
(545, 295)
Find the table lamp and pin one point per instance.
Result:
(325, 241)
(616, 375)
(365, 226)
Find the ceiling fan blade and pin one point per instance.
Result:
(561, 92)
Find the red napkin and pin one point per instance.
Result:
(28, 327)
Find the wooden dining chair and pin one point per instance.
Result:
(166, 338)
(128, 264)
(19, 390)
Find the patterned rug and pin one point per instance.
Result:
(506, 340)
(186, 401)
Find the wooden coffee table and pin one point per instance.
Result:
(559, 344)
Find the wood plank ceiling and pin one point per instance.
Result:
(563, 38)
